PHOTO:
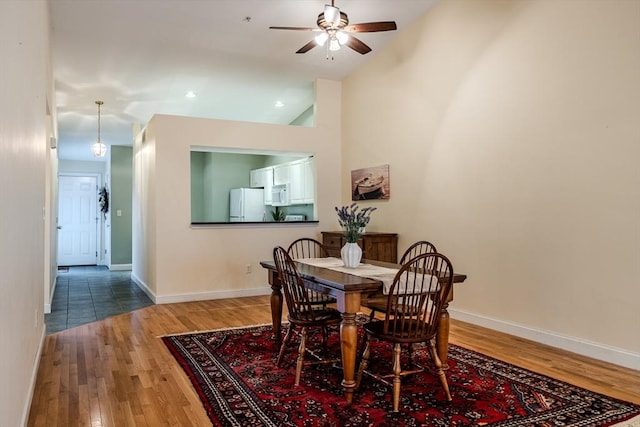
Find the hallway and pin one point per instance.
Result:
(85, 294)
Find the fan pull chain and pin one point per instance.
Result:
(329, 50)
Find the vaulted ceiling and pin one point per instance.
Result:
(141, 57)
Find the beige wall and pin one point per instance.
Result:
(24, 130)
(176, 262)
(51, 201)
(143, 233)
(512, 132)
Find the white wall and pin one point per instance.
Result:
(98, 167)
(513, 136)
(24, 130)
(176, 262)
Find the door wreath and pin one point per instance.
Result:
(103, 198)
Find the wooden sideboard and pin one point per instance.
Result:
(375, 246)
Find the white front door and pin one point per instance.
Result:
(77, 220)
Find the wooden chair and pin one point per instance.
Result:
(302, 314)
(379, 303)
(414, 305)
(304, 248)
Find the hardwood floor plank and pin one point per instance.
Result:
(51, 414)
(117, 372)
(592, 374)
(105, 415)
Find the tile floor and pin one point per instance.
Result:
(86, 294)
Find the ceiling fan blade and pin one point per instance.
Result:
(371, 27)
(295, 28)
(307, 47)
(357, 45)
(332, 15)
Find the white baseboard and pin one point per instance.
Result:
(202, 296)
(142, 285)
(34, 377)
(120, 267)
(595, 350)
(47, 305)
(598, 351)
(199, 296)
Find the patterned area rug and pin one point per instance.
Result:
(234, 373)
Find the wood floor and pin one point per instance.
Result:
(116, 372)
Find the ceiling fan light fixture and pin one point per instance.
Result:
(333, 27)
(342, 37)
(99, 149)
(322, 38)
(332, 15)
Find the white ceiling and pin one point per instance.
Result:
(142, 56)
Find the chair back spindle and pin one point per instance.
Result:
(295, 293)
(378, 304)
(413, 312)
(418, 248)
(303, 312)
(306, 247)
(416, 297)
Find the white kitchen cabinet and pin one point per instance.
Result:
(295, 182)
(309, 187)
(302, 185)
(268, 183)
(256, 178)
(299, 175)
(281, 174)
(262, 178)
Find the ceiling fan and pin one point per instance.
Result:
(334, 31)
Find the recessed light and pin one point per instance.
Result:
(190, 94)
(279, 104)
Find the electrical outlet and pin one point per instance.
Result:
(247, 269)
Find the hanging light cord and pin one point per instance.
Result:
(99, 104)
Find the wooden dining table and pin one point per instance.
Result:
(350, 291)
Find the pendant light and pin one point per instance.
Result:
(99, 148)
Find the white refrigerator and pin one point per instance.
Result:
(246, 205)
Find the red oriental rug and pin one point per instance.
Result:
(234, 373)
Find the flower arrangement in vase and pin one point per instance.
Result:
(353, 220)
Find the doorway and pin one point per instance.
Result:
(90, 293)
(78, 220)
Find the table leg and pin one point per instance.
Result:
(276, 309)
(442, 337)
(349, 341)
(349, 344)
